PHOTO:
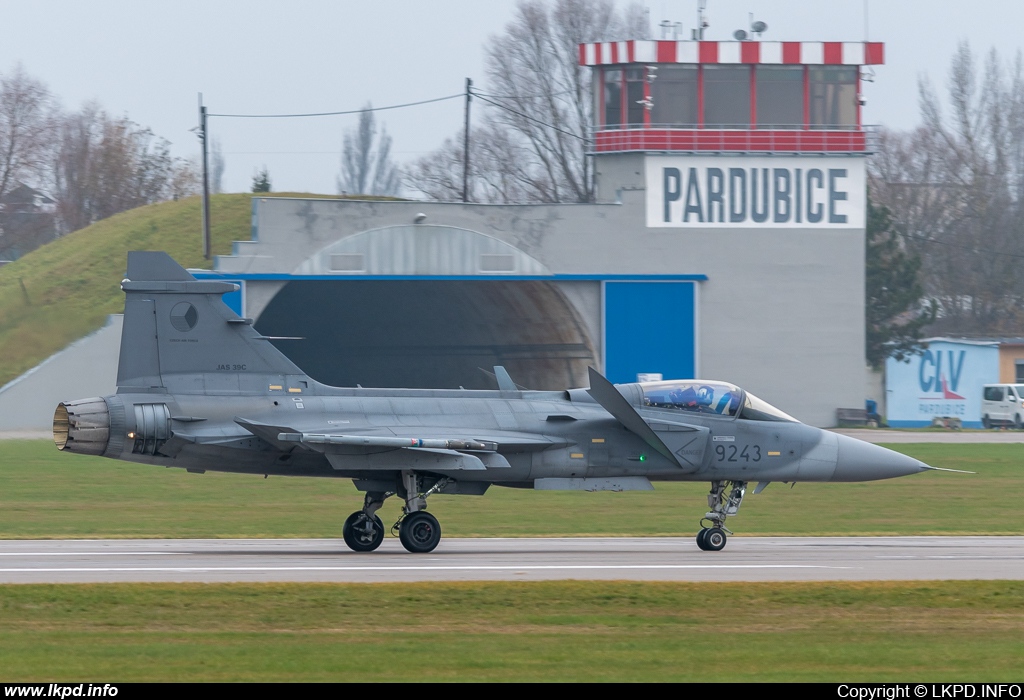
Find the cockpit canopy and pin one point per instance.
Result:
(710, 397)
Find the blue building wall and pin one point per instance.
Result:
(946, 380)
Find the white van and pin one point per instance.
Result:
(1002, 404)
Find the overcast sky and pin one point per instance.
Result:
(149, 60)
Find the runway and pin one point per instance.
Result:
(519, 559)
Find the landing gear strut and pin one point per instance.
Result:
(418, 530)
(723, 500)
(364, 531)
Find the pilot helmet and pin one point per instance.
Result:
(705, 395)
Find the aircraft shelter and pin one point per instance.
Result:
(727, 242)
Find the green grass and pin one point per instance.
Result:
(544, 631)
(58, 293)
(49, 494)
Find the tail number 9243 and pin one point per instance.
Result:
(732, 453)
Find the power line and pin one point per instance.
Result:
(334, 114)
(523, 97)
(532, 119)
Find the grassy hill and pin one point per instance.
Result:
(65, 290)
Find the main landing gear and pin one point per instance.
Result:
(723, 500)
(364, 531)
(418, 530)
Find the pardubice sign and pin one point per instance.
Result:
(755, 192)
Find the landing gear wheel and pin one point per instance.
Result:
(714, 539)
(361, 533)
(700, 538)
(419, 532)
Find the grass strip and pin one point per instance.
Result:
(519, 631)
(48, 494)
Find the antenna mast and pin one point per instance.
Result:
(702, 21)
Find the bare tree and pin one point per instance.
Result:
(499, 170)
(186, 179)
(78, 138)
(366, 166)
(103, 165)
(955, 188)
(539, 104)
(216, 166)
(26, 127)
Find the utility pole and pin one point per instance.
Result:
(465, 145)
(206, 179)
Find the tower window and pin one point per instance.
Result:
(780, 97)
(727, 97)
(833, 97)
(674, 93)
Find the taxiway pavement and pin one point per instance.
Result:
(946, 436)
(516, 559)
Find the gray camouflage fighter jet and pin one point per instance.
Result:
(200, 388)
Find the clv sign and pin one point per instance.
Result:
(940, 371)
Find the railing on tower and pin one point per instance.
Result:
(778, 139)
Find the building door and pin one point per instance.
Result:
(649, 329)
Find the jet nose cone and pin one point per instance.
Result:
(862, 461)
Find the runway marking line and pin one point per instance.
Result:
(86, 554)
(555, 567)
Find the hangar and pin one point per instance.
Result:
(727, 241)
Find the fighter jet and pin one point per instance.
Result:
(199, 388)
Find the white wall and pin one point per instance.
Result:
(86, 368)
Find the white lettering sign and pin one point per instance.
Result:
(755, 192)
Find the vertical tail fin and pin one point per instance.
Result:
(180, 335)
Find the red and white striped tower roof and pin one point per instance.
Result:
(828, 53)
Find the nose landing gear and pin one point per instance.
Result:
(722, 505)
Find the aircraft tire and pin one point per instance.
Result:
(714, 539)
(700, 538)
(358, 541)
(420, 532)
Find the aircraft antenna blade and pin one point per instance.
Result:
(505, 382)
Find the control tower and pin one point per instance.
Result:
(731, 98)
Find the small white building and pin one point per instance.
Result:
(946, 380)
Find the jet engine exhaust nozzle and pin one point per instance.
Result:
(82, 426)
